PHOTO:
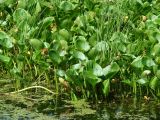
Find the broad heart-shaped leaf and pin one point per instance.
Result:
(64, 33)
(156, 50)
(153, 83)
(157, 21)
(145, 73)
(66, 6)
(82, 44)
(137, 63)
(142, 81)
(20, 15)
(60, 73)
(79, 55)
(95, 68)
(91, 78)
(76, 66)
(106, 87)
(101, 46)
(121, 47)
(110, 70)
(55, 57)
(46, 22)
(5, 40)
(36, 44)
(148, 61)
(5, 59)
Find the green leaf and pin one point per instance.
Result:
(111, 69)
(95, 68)
(158, 74)
(82, 44)
(55, 57)
(5, 40)
(47, 4)
(79, 22)
(5, 59)
(71, 73)
(148, 61)
(36, 44)
(73, 96)
(121, 47)
(158, 37)
(157, 21)
(153, 83)
(46, 22)
(128, 82)
(142, 81)
(79, 55)
(38, 8)
(21, 4)
(106, 87)
(66, 6)
(60, 73)
(91, 78)
(36, 55)
(118, 37)
(7, 2)
(64, 44)
(137, 63)
(157, 60)
(140, 2)
(101, 46)
(20, 15)
(65, 34)
(90, 75)
(43, 65)
(15, 70)
(156, 50)
(145, 73)
(93, 39)
(89, 4)
(76, 66)
(94, 82)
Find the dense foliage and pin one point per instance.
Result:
(88, 48)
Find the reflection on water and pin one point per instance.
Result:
(79, 110)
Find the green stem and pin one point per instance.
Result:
(47, 79)
(56, 80)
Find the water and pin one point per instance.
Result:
(47, 108)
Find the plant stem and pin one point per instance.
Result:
(41, 87)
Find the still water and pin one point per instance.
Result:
(47, 108)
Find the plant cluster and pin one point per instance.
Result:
(89, 48)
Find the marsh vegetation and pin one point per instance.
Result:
(97, 50)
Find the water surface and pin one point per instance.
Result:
(19, 108)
